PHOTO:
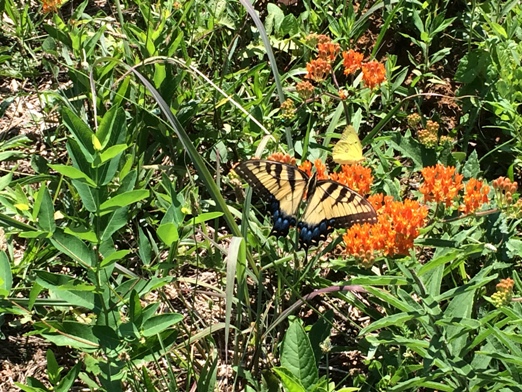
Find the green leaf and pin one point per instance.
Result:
(113, 222)
(74, 248)
(6, 276)
(53, 370)
(298, 356)
(393, 320)
(88, 195)
(73, 291)
(206, 216)
(46, 211)
(114, 257)
(274, 19)
(471, 168)
(290, 382)
(72, 172)
(67, 382)
(112, 152)
(159, 323)
(125, 199)
(168, 233)
(69, 333)
(81, 132)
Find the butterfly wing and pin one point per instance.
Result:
(348, 149)
(281, 185)
(330, 206)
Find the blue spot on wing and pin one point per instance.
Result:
(282, 221)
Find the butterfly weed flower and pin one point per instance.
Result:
(374, 74)
(320, 169)
(475, 195)
(352, 61)
(306, 166)
(441, 184)
(504, 292)
(504, 191)
(328, 51)
(283, 158)
(314, 39)
(50, 5)
(318, 70)
(398, 224)
(356, 177)
(305, 89)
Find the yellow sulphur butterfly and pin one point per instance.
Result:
(348, 149)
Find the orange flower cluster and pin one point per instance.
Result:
(352, 61)
(50, 5)
(320, 169)
(356, 177)
(441, 184)
(476, 194)
(328, 51)
(504, 190)
(374, 74)
(305, 89)
(280, 157)
(397, 227)
(504, 292)
(318, 69)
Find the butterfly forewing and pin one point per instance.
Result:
(281, 185)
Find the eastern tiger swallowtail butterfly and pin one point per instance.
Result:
(329, 204)
(348, 149)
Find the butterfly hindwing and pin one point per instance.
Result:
(330, 206)
(279, 184)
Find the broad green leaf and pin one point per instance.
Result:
(144, 249)
(74, 248)
(290, 382)
(6, 276)
(159, 323)
(298, 356)
(125, 199)
(74, 291)
(168, 233)
(72, 172)
(75, 334)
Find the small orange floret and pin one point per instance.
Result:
(374, 73)
(352, 61)
(356, 177)
(476, 194)
(305, 89)
(441, 184)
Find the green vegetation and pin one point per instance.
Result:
(129, 239)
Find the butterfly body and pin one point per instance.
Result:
(329, 205)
